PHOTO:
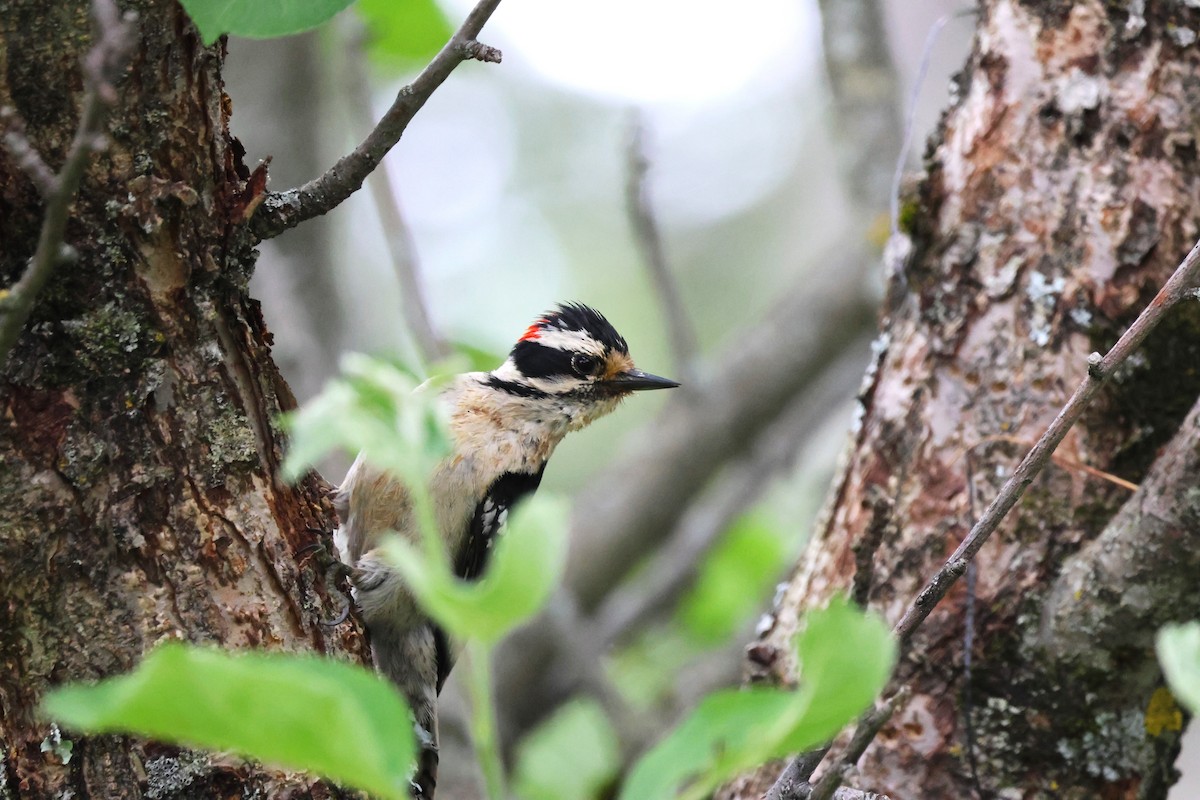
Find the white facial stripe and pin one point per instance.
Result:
(508, 372)
(555, 385)
(569, 340)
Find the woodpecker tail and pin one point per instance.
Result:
(409, 659)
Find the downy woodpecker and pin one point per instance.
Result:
(569, 368)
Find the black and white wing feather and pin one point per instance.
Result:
(489, 519)
(486, 525)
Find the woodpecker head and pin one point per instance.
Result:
(574, 355)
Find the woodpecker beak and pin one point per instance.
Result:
(634, 380)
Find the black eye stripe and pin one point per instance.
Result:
(538, 361)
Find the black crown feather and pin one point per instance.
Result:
(535, 360)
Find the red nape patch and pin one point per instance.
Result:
(533, 331)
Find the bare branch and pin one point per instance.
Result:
(636, 503)
(862, 82)
(25, 154)
(646, 233)
(103, 64)
(868, 727)
(396, 233)
(284, 210)
(1140, 572)
(673, 566)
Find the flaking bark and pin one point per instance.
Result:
(138, 443)
(1061, 191)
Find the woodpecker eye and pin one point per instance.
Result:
(584, 365)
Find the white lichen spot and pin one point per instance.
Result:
(1001, 282)
(1136, 21)
(896, 251)
(56, 744)
(1078, 92)
(170, 775)
(1081, 317)
(1043, 296)
(1182, 36)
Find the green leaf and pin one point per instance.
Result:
(646, 670)
(845, 658)
(259, 19)
(1179, 653)
(375, 408)
(328, 717)
(523, 572)
(573, 755)
(734, 581)
(404, 32)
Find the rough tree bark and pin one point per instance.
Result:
(138, 447)
(1061, 191)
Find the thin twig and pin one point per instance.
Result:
(1065, 462)
(284, 210)
(969, 640)
(646, 233)
(396, 233)
(25, 154)
(1178, 287)
(1181, 285)
(674, 565)
(102, 65)
(794, 782)
(870, 724)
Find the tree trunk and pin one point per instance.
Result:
(1061, 192)
(139, 448)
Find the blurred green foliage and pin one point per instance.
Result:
(574, 755)
(335, 719)
(403, 33)
(376, 408)
(256, 19)
(521, 575)
(845, 658)
(646, 671)
(734, 581)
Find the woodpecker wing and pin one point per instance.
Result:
(489, 518)
(486, 525)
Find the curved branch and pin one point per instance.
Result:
(635, 504)
(283, 210)
(103, 64)
(1141, 571)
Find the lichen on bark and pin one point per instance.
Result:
(139, 498)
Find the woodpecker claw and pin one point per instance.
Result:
(335, 573)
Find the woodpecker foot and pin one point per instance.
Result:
(334, 572)
(424, 782)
